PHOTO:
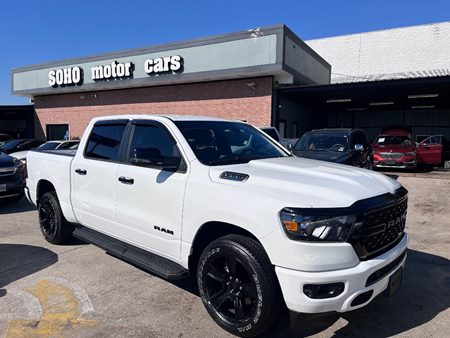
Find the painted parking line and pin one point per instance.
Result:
(60, 312)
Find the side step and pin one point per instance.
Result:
(148, 261)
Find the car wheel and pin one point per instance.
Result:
(238, 286)
(54, 226)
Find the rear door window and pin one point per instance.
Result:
(105, 140)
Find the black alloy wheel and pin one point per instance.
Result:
(54, 226)
(47, 218)
(231, 289)
(238, 286)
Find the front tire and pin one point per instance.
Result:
(54, 226)
(238, 285)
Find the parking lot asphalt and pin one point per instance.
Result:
(77, 290)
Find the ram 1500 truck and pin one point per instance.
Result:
(259, 228)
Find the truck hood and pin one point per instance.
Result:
(298, 182)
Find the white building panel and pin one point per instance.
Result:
(418, 51)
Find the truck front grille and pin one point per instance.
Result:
(379, 230)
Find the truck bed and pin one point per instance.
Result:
(52, 166)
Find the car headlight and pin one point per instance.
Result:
(411, 153)
(19, 164)
(298, 225)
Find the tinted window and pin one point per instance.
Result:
(67, 145)
(48, 146)
(317, 141)
(151, 143)
(104, 141)
(220, 143)
(12, 144)
(29, 145)
(432, 140)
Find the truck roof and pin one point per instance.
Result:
(159, 116)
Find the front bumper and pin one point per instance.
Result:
(400, 164)
(354, 279)
(13, 186)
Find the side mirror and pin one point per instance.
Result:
(289, 147)
(359, 147)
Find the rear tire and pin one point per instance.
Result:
(238, 286)
(54, 226)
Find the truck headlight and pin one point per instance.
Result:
(327, 228)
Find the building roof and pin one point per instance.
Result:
(399, 53)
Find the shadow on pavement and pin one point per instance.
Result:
(12, 207)
(424, 294)
(18, 261)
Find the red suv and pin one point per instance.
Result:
(394, 149)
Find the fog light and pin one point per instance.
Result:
(321, 291)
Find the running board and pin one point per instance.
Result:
(150, 262)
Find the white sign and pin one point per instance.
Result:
(163, 64)
(113, 70)
(64, 76)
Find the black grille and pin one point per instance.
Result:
(379, 230)
(385, 270)
(391, 155)
(7, 171)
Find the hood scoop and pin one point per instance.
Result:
(232, 176)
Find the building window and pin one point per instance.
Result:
(57, 132)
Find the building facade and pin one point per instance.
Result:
(230, 76)
(266, 76)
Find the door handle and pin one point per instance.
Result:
(126, 180)
(81, 171)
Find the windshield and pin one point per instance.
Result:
(48, 146)
(223, 142)
(393, 140)
(322, 142)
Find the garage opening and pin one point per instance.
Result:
(17, 121)
(422, 104)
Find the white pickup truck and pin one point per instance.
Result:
(259, 228)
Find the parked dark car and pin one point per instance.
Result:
(13, 146)
(273, 133)
(344, 146)
(12, 178)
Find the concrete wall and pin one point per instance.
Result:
(245, 99)
(417, 51)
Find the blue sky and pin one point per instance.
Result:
(33, 32)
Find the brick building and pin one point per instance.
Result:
(231, 76)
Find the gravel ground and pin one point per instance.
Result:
(77, 290)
